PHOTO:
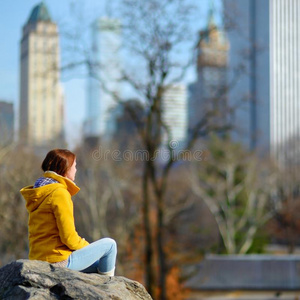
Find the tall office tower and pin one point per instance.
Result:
(285, 80)
(174, 114)
(6, 123)
(41, 97)
(248, 32)
(264, 38)
(209, 93)
(105, 74)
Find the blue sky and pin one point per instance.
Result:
(14, 16)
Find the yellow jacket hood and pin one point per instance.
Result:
(35, 196)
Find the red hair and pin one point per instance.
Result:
(58, 161)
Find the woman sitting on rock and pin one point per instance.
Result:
(52, 234)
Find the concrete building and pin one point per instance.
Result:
(41, 96)
(264, 38)
(6, 123)
(104, 82)
(209, 93)
(174, 114)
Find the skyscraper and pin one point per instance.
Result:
(248, 32)
(174, 114)
(105, 74)
(41, 96)
(264, 38)
(209, 93)
(285, 80)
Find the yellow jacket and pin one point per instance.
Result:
(52, 233)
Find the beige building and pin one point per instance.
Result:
(41, 96)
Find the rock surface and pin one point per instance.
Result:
(30, 279)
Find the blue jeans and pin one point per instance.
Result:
(97, 256)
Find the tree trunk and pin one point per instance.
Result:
(147, 228)
(160, 248)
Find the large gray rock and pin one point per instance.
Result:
(31, 279)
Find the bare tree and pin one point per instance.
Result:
(155, 31)
(237, 188)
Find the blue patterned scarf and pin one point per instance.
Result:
(44, 181)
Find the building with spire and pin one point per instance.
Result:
(209, 91)
(103, 87)
(41, 96)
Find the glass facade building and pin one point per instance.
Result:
(103, 88)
